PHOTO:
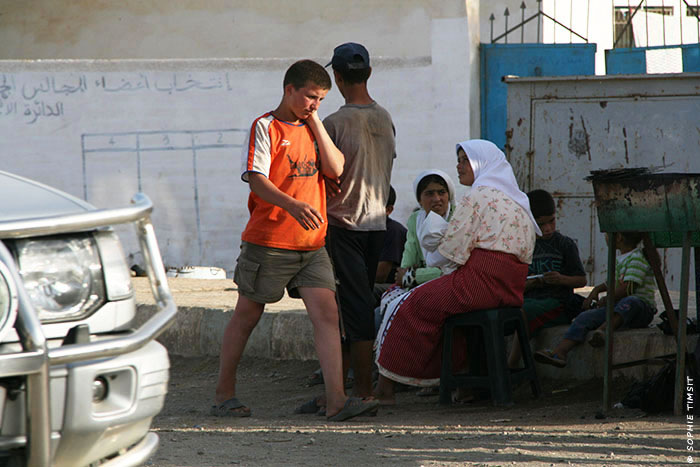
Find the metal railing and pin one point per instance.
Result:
(539, 17)
(664, 8)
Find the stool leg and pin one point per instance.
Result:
(499, 374)
(446, 372)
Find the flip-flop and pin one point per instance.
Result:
(228, 409)
(370, 413)
(429, 391)
(315, 378)
(597, 338)
(549, 358)
(353, 407)
(312, 406)
(463, 398)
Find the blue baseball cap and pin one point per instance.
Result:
(350, 56)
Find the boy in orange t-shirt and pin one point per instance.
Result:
(287, 154)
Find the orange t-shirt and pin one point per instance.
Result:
(286, 154)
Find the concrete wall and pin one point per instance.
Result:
(104, 29)
(425, 73)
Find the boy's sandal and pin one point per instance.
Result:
(597, 338)
(429, 391)
(549, 358)
(228, 409)
(314, 379)
(310, 407)
(353, 407)
(463, 396)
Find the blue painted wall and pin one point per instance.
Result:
(691, 57)
(625, 61)
(634, 60)
(498, 60)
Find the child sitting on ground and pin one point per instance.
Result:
(633, 294)
(556, 270)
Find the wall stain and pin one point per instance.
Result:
(579, 141)
(585, 132)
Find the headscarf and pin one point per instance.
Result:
(439, 173)
(492, 169)
(420, 217)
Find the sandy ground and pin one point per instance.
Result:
(560, 428)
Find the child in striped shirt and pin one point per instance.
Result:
(635, 305)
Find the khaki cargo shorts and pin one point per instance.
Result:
(262, 273)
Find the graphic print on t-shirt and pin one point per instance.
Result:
(545, 264)
(303, 167)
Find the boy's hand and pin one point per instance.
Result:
(332, 187)
(313, 121)
(552, 277)
(589, 301)
(398, 278)
(533, 283)
(306, 215)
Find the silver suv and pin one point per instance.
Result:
(78, 385)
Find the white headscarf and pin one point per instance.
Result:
(439, 173)
(492, 169)
(420, 217)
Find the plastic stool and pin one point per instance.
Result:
(494, 325)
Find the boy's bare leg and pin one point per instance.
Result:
(361, 355)
(245, 317)
(346, 361)
(515, 353)
(323, 312)
(385, 391)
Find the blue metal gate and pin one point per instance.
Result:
(524, 59)
(634, 59)
(498, 60)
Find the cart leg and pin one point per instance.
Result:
(610, 304)
(682, 314)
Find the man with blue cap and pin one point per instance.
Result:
(364, 133)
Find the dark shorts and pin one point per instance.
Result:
(355, 256)
(262, 273)
(544, 313)
(635, 312)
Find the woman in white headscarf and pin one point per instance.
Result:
(435, 192)
(490, 237)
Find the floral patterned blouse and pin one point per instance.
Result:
(488, 219)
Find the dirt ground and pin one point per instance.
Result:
(560, 428)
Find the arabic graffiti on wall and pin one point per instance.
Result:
(199, 162)
(31, 97)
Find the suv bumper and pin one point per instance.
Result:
(136, 386)
(122, 421)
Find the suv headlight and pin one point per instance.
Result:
(62, 275)
(8, 300)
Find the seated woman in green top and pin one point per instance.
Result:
(435, 192)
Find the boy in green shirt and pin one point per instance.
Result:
(633, 293)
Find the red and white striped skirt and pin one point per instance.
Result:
(409, 342)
